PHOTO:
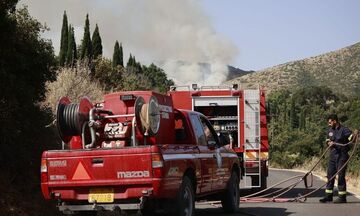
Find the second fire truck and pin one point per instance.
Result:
(239, 117)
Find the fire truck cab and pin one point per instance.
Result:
(239, 118)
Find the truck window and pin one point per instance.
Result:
(181, 134)
(209, 134)
(198, 128)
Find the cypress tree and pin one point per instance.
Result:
(86, 46)
(71, 56)
(121, 55)
(116, 55)
(130, 61)
(63, 40)
(96, 43)
(134, 65)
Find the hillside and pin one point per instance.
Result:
(236, 72)
(339, 70)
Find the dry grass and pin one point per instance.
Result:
(73, 83)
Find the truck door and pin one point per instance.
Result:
(206, 154)
(218, 171)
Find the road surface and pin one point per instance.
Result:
(309, 208)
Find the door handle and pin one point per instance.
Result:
(97, 160)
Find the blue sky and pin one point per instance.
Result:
(268, 33)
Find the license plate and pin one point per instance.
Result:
(101, 195)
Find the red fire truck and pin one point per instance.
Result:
(239, 116)
(134, 150)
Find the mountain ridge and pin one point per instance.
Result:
(339, 70)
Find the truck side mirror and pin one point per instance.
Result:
(211, 144)
(222, 140)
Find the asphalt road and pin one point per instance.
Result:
(310, 207)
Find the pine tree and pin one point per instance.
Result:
(116, 55)
(71, 56)
(63, 40)
(86, 46)
(96, 43)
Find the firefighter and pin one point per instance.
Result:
(336, 133)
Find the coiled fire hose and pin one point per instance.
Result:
(265, 197)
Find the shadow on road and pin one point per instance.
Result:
(295, 192)
(245, 211)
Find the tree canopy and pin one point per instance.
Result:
(64, 41)
(96, 43)
(117, 55)
(71, 56)
(86, 45)
(26, 63)
(297, 123)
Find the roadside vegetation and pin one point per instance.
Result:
(32, 79)
(297, 124)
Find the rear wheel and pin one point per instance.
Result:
(86, 213)
(262, 183)
(185, 202)
(147, 207)
(231, 197)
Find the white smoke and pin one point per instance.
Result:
(160, 31)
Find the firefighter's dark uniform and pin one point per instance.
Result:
(338, 156)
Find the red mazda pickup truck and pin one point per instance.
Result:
(135, 151)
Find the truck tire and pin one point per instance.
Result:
(87, 213)
(185, 201)
(231, 197)
(255, 181)
(147, 208)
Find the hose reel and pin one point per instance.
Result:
(147, 116)
(70, 117)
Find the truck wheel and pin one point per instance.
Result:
(87, 213)
(185, 202)
(255, 181)
(231, 197)
(147, 208)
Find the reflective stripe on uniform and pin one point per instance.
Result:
(342, 192)
(329, 191)
(350, 137)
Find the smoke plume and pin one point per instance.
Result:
(175, 34)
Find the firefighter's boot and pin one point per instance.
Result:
(327, 198)
(341, 199)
